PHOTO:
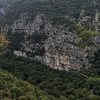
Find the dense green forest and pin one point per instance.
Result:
(12, 88)
(84, 85)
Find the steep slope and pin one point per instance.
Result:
(12, 88)
(62, 34)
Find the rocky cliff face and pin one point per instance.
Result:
(54, 45)
(59, 47)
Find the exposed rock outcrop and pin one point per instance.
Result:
(61, 47)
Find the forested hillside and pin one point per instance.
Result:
(51, 48)
(12, 88)
(55, 9)
(84, 85)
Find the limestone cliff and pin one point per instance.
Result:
(61, 46)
